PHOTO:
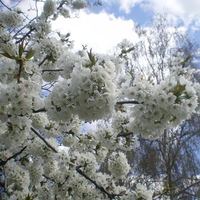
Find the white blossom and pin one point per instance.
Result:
(10, 19)
(48, 92)
(49, 8)
(79, 4)
(118, 165)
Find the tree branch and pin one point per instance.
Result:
(183, 190)
(128, 102)
(39, 110)
(26, 35)
(52, 70)
(124, 134)
(43, 139)
(2, 163)
(42, 62)
(110, 196)
(5, 5)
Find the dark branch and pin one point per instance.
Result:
(124, 134)
(39, 110)
(183, 190)
(5, 5)
(39, 135)
(2, 163)
(48, 178)
(52, 70)
(42, 62)
(32, 29)
(26, 35)
(128, 102)
(110, 196)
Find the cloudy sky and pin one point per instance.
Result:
(101, 28)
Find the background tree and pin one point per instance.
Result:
(171, 162)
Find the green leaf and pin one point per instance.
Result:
(92, 58)
(7, 55)
(29, 197)
(30, 54)
(21, 49)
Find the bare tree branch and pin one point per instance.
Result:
(5, 5)
(183, 190)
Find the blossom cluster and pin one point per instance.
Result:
(160, 106)
(10, 19)
(118, 165)
(48, 93)
(89, 93)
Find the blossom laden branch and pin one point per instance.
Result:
(2, 163)
(26, 35)
(43, 139)
(110, 196)
(124, 51)
(42, 62)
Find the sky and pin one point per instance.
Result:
(102, 28)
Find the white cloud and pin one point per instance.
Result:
(126, 5)
(184, 9)
(101, 32)
(187, 10)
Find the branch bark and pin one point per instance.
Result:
(110, 196)
(43, 139)
(2, 163)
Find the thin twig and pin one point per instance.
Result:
(42, 62)
(183, 190)
(5, 5)
(26, 35)
(24, 28)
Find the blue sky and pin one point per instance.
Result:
(118, 17)
(101, 28)
(184, 12)
(136, 13)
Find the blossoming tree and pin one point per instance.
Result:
(169, 165)
(47, 92)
